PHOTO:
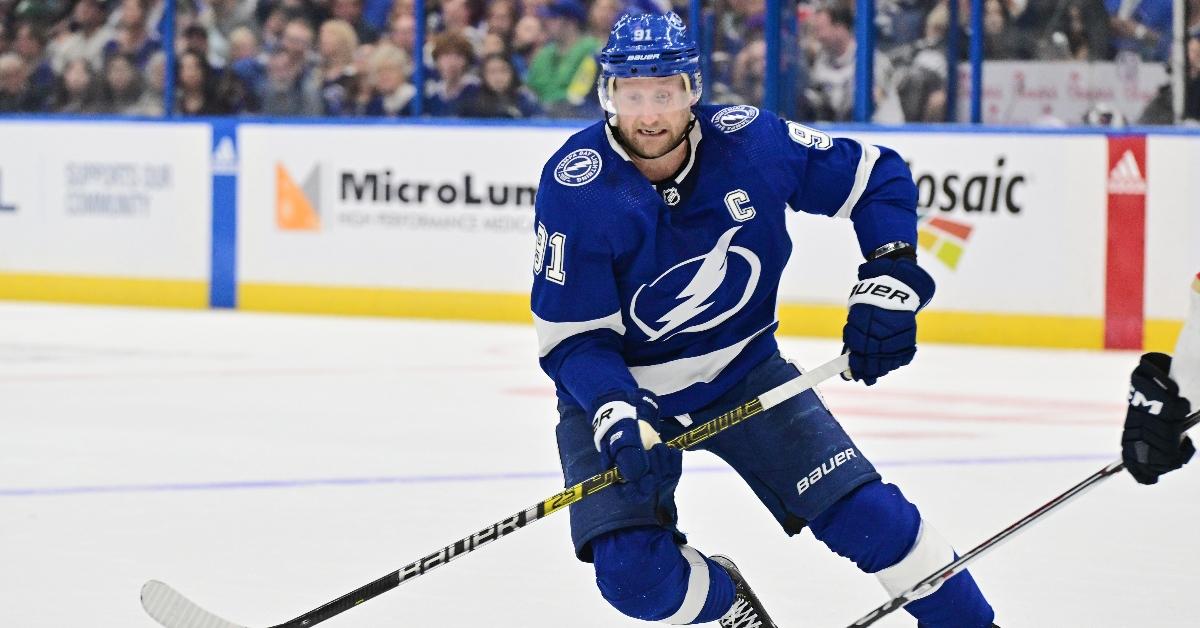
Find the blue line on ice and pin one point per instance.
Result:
(237, 485)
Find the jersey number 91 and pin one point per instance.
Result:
(558, 248)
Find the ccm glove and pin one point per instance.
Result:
(1153, 442)
(626, 435)
(881, 328)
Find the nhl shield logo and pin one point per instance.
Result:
(578, 168)
(671, 196)
(734, 118)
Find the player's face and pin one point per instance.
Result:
(652, 113)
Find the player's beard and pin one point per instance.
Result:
(631, 146)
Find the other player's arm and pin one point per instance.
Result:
(873, 187)
(1153, 441)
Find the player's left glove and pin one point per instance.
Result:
(1153, 442)
(881, 328)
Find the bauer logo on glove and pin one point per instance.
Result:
(881, 327)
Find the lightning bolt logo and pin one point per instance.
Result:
(695, 297)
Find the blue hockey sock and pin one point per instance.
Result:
(882, 532)
(644, 574)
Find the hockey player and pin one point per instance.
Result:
(660, 245)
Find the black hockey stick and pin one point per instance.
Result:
(171, 609)
(960, 565)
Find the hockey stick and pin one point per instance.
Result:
(960, 565)
(171, 609)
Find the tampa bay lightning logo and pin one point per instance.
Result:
(673, 310)
(578, 168)
(734, 118)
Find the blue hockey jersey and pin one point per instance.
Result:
(672, 286)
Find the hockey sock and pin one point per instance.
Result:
(643, 573)
(882, 532)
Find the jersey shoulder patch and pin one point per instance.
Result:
(578, 161)
(579, 167)
(734, 118)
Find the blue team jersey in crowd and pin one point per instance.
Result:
(673, 287)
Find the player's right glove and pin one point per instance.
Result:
(1153, 442)
(626, 435)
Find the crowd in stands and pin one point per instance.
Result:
(519, 58)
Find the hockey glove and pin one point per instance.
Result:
(626, 435)
(881, 328)
(1153, 442)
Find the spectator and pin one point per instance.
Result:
(16, 95)
(602, 16)
(749, 73)
(351, 11)
(999, 42)
(31, 45)
(196, 89)
(455, 17)
(737, 22)
(1191, 105)
(1089, 31)
(87, 39)
(195, 39)
(376, 13)
(77, 89)
(830, 94)
(362, 68)
(151, 102)
(403, 34)
(274, 23)
(401, 8)
(392, 94)
(922, 86)
(563, 73)
(453, 56)
(528, 38)
(131, 36)
(502, 18)
(1142, 27)
(900, 22)
(494, 44)
(339, 87)
(295, 42)
(243, 45)
(5, 40)
(122, 87)
(230, 15)
(501, 94)
(286, 92)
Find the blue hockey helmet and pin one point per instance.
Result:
(648, 45)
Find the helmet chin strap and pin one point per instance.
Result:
(628, 146)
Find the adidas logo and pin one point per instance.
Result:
(1126, 177)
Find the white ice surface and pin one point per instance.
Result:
(264, 465)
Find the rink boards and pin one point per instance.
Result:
(1035, 238)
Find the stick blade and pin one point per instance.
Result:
(171, 609)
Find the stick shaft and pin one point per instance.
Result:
(560, 501)
(959, 565)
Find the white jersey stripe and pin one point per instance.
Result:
(550, 334)
(866, 163)
(674, 376)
